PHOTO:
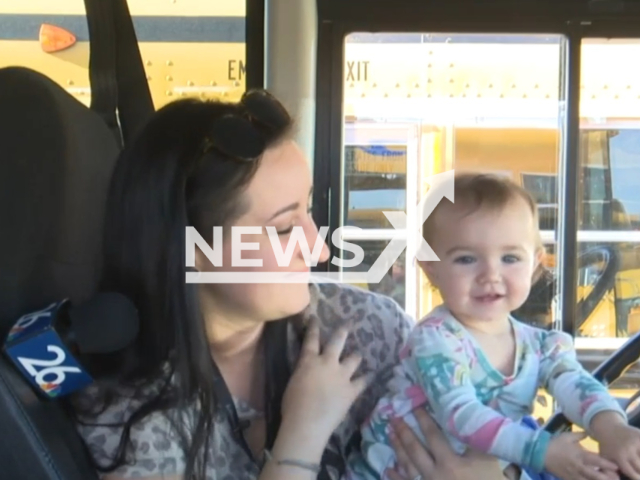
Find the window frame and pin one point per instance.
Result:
(254, 44)
(338, 19)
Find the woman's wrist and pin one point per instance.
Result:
(299, 442)
(293, 456)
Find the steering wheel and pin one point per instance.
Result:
(614, 366)
(543, 291)
(607, 372)
(618, 362)
(604, 283)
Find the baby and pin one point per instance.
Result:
(476, 369)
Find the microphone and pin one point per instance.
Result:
(45, 346)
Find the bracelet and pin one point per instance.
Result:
(314, 467)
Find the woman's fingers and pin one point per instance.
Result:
(418, 455)
(360, 384)
(311, 342)
(352, 362)
(399, 443)
(335, 345)
(438, 445)
(393, 475)
(333, 348)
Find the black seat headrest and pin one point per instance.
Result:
(55, 165)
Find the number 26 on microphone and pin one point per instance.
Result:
(53, 367)
(48, 365)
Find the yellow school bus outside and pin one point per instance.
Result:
(175, 69)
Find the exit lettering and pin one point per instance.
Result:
(236, 70)
(358, 71)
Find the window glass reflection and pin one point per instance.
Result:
(610, 161)
(537, 309)
(394, 282)
(374, 181)
(608, 280)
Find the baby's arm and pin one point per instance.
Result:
(580, 396)
(443, 372)
(587, 403)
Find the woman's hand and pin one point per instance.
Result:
(437, 461)
(317, 398)
(321, 389)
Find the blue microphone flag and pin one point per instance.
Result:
(36, 349)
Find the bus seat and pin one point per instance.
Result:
(56, 158)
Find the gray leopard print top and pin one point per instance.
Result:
(379, 328)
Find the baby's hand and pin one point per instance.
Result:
(568, 460)
(621, 443)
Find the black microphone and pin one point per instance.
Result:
(47, 346)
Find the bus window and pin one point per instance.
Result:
(420, 104)
(189, 48)
(609, 214)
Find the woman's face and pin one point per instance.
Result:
(278, 198)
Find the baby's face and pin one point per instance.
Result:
(487, 259)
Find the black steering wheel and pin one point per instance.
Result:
(538, 304)
(605, 281)
(607, 372)
(623, 358)
(614, 366)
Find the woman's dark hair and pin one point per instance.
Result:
(188, 167)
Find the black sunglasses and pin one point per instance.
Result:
(243, 136)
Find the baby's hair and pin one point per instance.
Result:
(473, 191)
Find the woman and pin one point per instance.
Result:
(228, 380)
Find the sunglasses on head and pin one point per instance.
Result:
(242, 136)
